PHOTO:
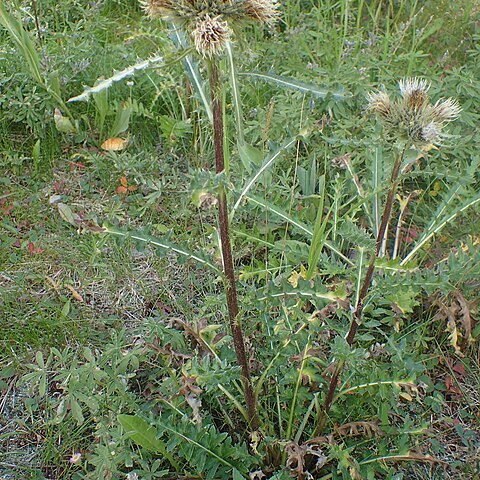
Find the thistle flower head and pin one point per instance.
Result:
(210, 36)
(415, 92)
(412, 117)
(380, 103)
(264, 11)
(211, 22)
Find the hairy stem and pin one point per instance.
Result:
(357, 314)
(230, 288)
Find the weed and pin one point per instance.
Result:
(116, 362)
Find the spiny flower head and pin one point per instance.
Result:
(412, 117)
(210, 36)
(211, 22)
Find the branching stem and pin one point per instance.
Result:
(357, 314)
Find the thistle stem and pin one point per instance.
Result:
(230, 288)
(357, 314)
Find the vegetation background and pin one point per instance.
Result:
(92, 327)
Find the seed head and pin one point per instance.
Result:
(380, 103)
(211, 22)
(415, 92)
(264, 11)
(446, 110)
(412, 117)
(211, 36)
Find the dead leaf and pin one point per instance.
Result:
(257, 475)
(114, 144)
(465, 317)
(33, 250)
(195, 404)
(296, 458)
(75, 294)
(354, 429)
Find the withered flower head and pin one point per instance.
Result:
(412, 117)
(265, 11)
(211, 20)
(210, 36)
(415, 92)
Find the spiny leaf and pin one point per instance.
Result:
(316, 91)
(191, 68)
(266, 164)
(163, 244)
(107, 83)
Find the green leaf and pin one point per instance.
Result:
(266, 164)
(66, 213)
(122, 120)
(294, 222)
(39, 359)
(237, 475)
(251, 157)
(76, 411)
(319, 238)
(7, 372)
(404, 300)
(145, 435)
(316, 91)
(141, 432)
(23, 42)
(237, 103)
(191, 68)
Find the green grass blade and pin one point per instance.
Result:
(193, 72)
(294, 84)
(435, 227)
(318, 237)
(266, 164)
(296, 223)
(377, 180)
(291, 417)
(237, 103)
(23, 42)
(331, 296)
(198, 445)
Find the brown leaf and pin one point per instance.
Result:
(122, 190)
(114, 144)
(33, 250)
(75, 294)
(353, 429)
(465, 317)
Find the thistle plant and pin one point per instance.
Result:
(410, 120)
(211, 25)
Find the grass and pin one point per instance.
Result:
(63, 287)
